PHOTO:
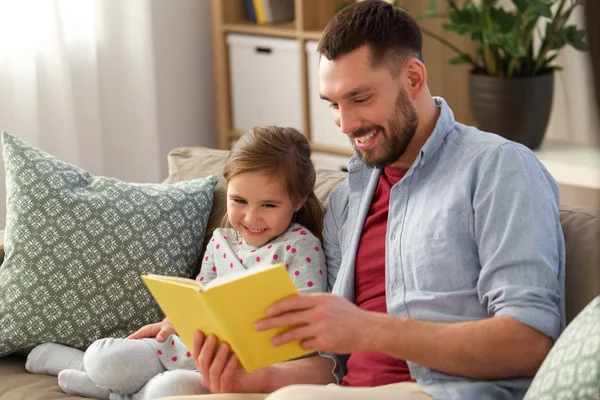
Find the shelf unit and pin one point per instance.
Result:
(311, 17)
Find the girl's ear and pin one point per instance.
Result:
(300, 204)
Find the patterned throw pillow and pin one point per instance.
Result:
(75, 246)
(572, 369)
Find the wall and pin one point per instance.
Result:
(183, 62)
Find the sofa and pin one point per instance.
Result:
(581, 228)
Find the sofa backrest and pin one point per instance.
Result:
(187, 163)
(581, 226)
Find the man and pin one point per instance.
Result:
(444, 246)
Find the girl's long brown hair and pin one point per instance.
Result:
(284, 152)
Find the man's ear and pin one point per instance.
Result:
(415, 77)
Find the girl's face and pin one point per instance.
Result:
(259, 206)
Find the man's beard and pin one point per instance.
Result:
(402, 128)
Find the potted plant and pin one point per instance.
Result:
(512, 75)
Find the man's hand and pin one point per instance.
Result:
(220, 370)
(160, 330)
(322, 321)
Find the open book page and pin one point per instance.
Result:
(178, 280)
(237, 275)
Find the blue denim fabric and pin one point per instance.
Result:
(473, 232)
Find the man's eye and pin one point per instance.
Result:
(361, 100)
(333, 105)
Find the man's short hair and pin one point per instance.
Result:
(391, 34)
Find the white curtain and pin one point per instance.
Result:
(108, 85)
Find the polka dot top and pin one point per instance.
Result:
(297, 248)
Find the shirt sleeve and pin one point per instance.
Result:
(305, 261)
(208, 269)
(520, 240)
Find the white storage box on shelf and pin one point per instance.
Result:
(265, 81)
(323, 131)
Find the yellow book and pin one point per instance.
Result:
(259, 10)
(228, 307)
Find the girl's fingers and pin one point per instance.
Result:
(217, 366)
(228, 374)
(205, 357)
(143, 332)
(164, 333)
(199, 347)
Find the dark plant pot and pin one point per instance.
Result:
(516, 108)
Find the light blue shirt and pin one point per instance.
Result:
(473, 232)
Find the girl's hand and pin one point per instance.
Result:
(221, 371)
(160, 330)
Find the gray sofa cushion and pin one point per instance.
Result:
(581, 227)
(76, 245)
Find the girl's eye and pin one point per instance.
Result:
(239, 201)
(269, 205)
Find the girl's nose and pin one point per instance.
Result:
(252, 217)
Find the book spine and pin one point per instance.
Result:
(260, 12)
(250, 10)
(280, 10)
(268, 11)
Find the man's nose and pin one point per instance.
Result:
(348, 122)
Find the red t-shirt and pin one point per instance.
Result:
(367, 368)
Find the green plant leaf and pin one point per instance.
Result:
(521, 5)
(555, 40)
(504, 38)
(463, 58)
(429, 14)
(541, 7)
(550, 59)
(433, 5)
(575, 37)
(502, 20)
(489, 3)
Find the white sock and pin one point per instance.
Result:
(51, 358)
(76, 382)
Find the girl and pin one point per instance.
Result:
(273, 216)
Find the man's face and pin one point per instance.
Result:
(369, 105)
